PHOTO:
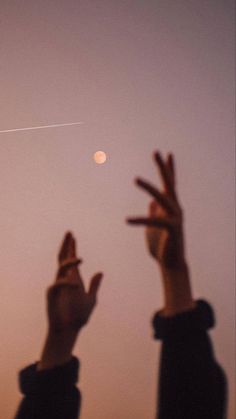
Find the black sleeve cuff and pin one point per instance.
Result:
(58, 380)
(200, 318)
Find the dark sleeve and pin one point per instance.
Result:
(50, 394)
(192, 385)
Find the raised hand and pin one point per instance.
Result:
(69, 304)
(164, 224)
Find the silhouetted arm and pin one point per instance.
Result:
(191, 384)
(49, 386)
(51, 393)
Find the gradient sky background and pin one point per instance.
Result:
(142, 75)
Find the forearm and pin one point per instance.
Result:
(191, 383)
(177, 290)
(49, 386)
(50, 393)
(57, 349)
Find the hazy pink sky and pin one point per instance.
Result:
(142, 75)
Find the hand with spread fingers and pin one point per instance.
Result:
(164, 224)
(165, 238)
(69, 306)
(188, 368)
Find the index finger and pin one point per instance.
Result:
(63, 253)
(166, 174)
(73, 254)
(68, 260)
(164, 201)
(66, 265)
(72, 247)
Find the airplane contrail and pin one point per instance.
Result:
(41, 127)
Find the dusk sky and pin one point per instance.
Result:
(142, 75)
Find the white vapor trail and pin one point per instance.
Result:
(41, 127)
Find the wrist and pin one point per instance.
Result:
(179, 265)
(177, 290)
(57, 350)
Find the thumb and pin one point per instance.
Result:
(95, 284)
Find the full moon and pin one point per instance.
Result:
(100, 157)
